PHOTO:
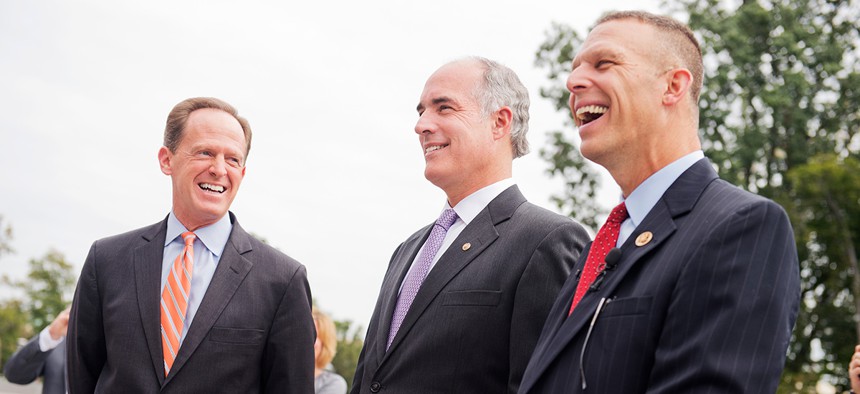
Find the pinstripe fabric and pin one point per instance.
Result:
(706, 307)
(174, 301)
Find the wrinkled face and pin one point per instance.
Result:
(456, 138)
(207, 167)
(616, 91)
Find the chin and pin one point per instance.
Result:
(591, 152)
(437, 178)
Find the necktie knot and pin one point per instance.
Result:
(447, 218)
(189, 238)
(618, 214)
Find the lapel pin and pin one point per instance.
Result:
(644, 238)
(466, 246)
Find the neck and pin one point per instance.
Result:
(461, 188)
(631, 169)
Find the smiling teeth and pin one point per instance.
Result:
(214, 188)
(592, 109)
(434, 147)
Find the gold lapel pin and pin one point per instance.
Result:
(466, 246)
(644, 238)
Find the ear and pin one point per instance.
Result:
(243, 170)
(164, 157)
(502, 120)
(678, 85)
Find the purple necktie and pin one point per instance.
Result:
(419, 272)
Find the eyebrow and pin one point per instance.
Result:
(436, 101)
(601, 52)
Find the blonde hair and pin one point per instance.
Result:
(327, 335)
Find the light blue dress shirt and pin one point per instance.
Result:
(646, 195)
(208, 248)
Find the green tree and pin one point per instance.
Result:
(827, 194)
(48, 288)
(349, 344)
(13, 319)
(46, 292)
(580, 178)
(5, 238)
(781, 88)
(13, 325)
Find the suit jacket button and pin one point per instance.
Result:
(374, 387)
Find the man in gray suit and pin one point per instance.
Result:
(193, 303)
(45, 356)
(462, 303)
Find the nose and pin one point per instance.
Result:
(218, 167)
(578, 80)
(424, 125)
(577, 83)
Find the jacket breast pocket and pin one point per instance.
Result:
(626, 307)
(238, 336)
(471, 298)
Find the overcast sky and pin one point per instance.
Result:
(335, 174)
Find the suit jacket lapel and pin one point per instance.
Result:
(678, 200)
(409, 252)
(147, 281)
(480, 233)
(229, 274)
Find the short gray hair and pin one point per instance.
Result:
(501, 88)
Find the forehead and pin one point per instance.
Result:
(618, 38)
(457, 80)
(210, 125)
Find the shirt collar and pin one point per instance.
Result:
(473, 204)
(213, 236)
(645, 196)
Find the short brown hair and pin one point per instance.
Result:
(680, 41)
(178, 117)
(327, 334)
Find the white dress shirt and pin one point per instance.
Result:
(466, 210)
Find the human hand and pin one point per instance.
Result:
(854, 370)
(60, 325)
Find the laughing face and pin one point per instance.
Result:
(207, 167)
(456, 137)
(616, 92)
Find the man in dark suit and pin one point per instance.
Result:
(193, 303)
(45, 356)
(463, 300)
(702, 293)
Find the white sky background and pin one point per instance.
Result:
(335, 174)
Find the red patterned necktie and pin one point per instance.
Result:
(174, 301)
(605, 240)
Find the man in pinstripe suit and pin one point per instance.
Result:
(704, 294)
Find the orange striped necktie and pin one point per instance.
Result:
(174, 301)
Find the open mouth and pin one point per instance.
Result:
(434, 148)
(211, 188)
(590, 113)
